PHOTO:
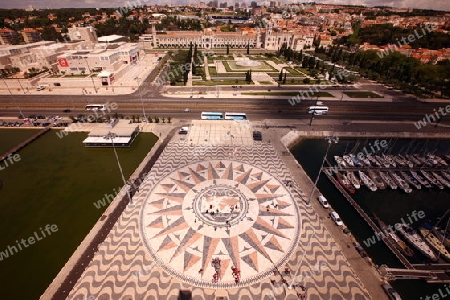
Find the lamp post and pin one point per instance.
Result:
(140, 96)
(330, 139)
(90, 75)
(112, 136)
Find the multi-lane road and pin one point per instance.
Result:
(402, 108)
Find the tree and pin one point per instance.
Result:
(248, 48)
(284, 79)
(280, 76)
(169, 119)
(228, 49)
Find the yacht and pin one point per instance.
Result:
(421, 180)
(446, 174)
(373, 161)
(443, 236)
(354, 180)
(435, 243)
(340, 161)
(344, 182)
(414, 239)
(414, 160)
(385, 176)
(407, 161)
(348, 160)
(374, 175)
(399, 243)
(389, 160)
(382, 161)
(441, 179)
(411, 180)
(432, 179)
(367, 181)
(401, 183)
(356, 160)
(399, 161)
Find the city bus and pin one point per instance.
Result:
(235, 116)
(95, 107)
(318, 110)
(210, 115)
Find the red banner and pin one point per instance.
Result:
(63, 62)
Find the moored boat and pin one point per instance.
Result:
(411, 180)
(443, 236)
(348, 160)
(340, 161)
(435, 243)
(401, 182)
(415, 240)
(389, 160)
(344, 182)
(374, 175)
(389, 181)
(354, 180)
(367, 181)
(432, 179)
(441, 179)
(373, 161)
(420, 179)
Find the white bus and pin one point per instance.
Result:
(235, 116)
(95, 107)
(211, 115)
(318, 110)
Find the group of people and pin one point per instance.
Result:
(215, 263)
(236, 274)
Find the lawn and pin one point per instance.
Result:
(56, 182)
(362, 94)
(221, 82)
(212, 71)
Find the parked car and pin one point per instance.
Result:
(40, 88)
(336, 219)
(389, 290)
(67, 110)
(323, 201)
(183, 130)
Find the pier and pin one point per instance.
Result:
(16, 148)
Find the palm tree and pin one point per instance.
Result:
(163, 119)
(169, 119)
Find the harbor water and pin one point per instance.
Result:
(391, 206)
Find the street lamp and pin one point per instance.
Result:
(111, 136)
(330, 139)
(89, 68)
(140, 96)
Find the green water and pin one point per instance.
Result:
(12, 137)
(390, 206)
(55, 182)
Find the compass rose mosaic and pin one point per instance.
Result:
(206, 219)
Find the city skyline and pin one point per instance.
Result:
(41, 4)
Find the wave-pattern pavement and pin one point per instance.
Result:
(123, 267)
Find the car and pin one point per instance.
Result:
(40, 88)
(67, 110)
(389, 290)
(336, 219)
(183, 130)
(257, 135)
(323, 201)
(187, 110)
(40, 117)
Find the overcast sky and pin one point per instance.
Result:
(430, 4)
